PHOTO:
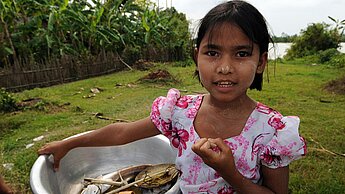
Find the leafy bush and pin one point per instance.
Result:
(317, 37)
(327, 55)
(7, 101)
(337, 61)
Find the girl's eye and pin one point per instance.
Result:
(243, 54)
(212, 53)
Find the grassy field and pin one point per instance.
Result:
(71, 108)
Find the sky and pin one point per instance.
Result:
(283, 16)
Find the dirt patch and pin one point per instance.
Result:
(31, 102)
(159, 76)
(336, 86)
(40, 105)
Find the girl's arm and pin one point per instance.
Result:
(216, 154)
(276, 179)
(113, 134)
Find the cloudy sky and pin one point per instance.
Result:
(283, 16)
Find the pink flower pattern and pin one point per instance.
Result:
(268, 138)
(276, 122)
(178, 139)
(225, 190)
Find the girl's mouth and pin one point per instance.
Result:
(224, 84)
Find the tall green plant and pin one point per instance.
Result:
(317, 37)
(339, 25)
(178, 38)
(53, 28)
(8, 15)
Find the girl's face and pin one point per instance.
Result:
(227, 62)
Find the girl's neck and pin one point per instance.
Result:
(241, 104)
(223, 119)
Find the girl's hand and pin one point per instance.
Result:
(216, 154)
(58, 149)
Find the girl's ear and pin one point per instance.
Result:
(262, 63)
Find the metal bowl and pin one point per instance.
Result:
(94, 161)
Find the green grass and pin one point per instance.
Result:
(295, 89)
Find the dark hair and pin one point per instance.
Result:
(246, 17)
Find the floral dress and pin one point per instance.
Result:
(268, 139)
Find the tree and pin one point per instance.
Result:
(317, 37)
(177, 37)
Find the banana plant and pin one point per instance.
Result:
(122, 20)
(53, 28)
(8, 10)
(339, 25)
(151, 23)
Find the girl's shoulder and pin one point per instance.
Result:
(273, 118)
(166, 106)
(284, 144)
(266, 110)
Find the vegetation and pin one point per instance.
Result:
(33, 31)
(319, 44)
(331, 58)
(72, 108)
(337, 31)
(314, 39)
(7, 101)
(284, 38)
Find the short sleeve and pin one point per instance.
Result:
(162, 110)
(285, 146)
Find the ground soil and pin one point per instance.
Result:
(336, 86)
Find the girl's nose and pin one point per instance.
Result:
(225, 65)
(224, 69)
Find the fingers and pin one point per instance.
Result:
(50, 148)
(205, 148)
(214, 153)
(199, 143)
(219, 143)
(56, 164)
(43, 150)
(46, 149)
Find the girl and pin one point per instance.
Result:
(226, 141)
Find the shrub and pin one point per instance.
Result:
(327, 55)
(337, 61)
(7, 101)
(317, 37)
